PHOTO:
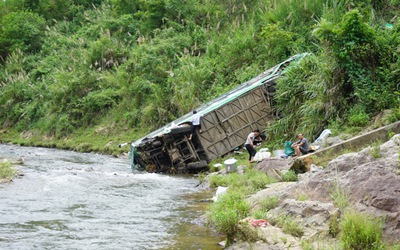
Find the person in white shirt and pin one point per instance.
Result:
(249, 144)
(196, 124)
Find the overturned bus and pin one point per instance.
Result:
(225, 123)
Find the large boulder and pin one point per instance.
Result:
(274, 167)
(373, 184)
(370, 178)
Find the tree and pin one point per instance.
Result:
(22, 30)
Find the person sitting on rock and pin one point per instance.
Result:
(301, 146)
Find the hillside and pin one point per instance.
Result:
(87, 75)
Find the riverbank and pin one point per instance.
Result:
(354, 188)
(100, 140)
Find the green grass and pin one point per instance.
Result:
(7, 171)
(249, 182)
(225, 214)
(269, 203)
(288, 224)
(302, 197)
(360, 231)
(289, 176)
(247, 232)
(323, 159)
(259, 214)
(340, 195)
(334, 225)
(376, 150)
(306, 245)
(83, 140)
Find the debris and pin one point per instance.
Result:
(220, 191)
(259, 223)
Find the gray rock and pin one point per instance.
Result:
(372, 184)
(348, 161)
(274, 167)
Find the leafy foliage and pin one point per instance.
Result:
(22, 30)
(225, 214)
(66, 65)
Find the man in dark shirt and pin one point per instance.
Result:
(300, 146)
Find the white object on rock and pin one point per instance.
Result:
(230, 165)
(324, 134)
(278, 153)
(220, 191)
(262, 155)
(217, 165)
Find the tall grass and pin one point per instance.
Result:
(7, 171)
(225, 214)
(340, 195)
(269, 203)
(288, 224)
(360, 231)
(290, 175)
(251, 181)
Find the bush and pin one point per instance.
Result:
(225, 214)
(340, 195)
(288, 225)
(251, 181)
(359, 231)
(289, 176)
(7, 172)
(269, 203)
(22, 30)
(247, 232)
(358, 117)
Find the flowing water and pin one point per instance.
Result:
(69, 200)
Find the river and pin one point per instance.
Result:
(70, 200)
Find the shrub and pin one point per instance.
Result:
(334, 224)
(358, 117)
(340, 196)
(7, 172)
(359, 231)
(251, 181)
(269, 203)
(259, 214)
(22, 30)
(288, 225)
(289, 176)
(248, 233)
(225, 214)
